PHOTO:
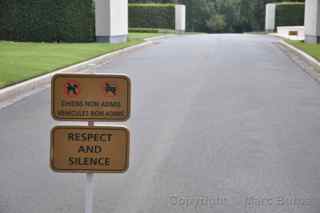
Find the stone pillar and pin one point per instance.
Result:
(111, 20)
(180, 18)
(312, 21)
(270, 17)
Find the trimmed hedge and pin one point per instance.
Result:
(150, 30)
(144, 30)
(47, 20)
(152, 16)
(290, 14)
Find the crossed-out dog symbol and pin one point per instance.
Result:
(72, 88)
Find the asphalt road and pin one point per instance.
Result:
(220, 124)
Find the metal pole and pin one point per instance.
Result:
(89, 193)
(89, 187)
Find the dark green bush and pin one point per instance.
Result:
(290, 14)
(150, 30)
(144, 30)
(152, 16)
(47, 20)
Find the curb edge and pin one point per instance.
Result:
(312, 65)
(12, 94)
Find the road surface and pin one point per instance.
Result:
(220, 124)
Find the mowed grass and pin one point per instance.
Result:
(21, 61)
(311, 49)
(145, 35)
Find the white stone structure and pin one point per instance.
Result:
(111, 20)
(180, 18)
(312, 21)
(291, 32)
(270, 17)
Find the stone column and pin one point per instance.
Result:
(270, 17)
(111, 20)
(180, 18)
(312, 21)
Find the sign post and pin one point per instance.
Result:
(89, 187)
(83, 149)
(89, 193)
(89, 150)
(90, 97)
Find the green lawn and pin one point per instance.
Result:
(145, 35)
(311, 49)
(20, 61)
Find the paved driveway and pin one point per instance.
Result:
(220, 123)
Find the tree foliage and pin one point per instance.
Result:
(216, 23)
(237, 15)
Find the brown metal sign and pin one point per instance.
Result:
(89, 149)
(93, 97)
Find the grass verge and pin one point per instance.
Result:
(20, 61)
(142, 35)
(311, 49)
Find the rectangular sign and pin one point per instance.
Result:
(90, 97)
(89, 149)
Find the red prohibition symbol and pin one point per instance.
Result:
(71, 88)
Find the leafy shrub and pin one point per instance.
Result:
(150, 30)
(144, 30)
(290, 14)
(47, 20)
(152, 16)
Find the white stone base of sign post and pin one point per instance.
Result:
(312, 21)
(111, 20)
